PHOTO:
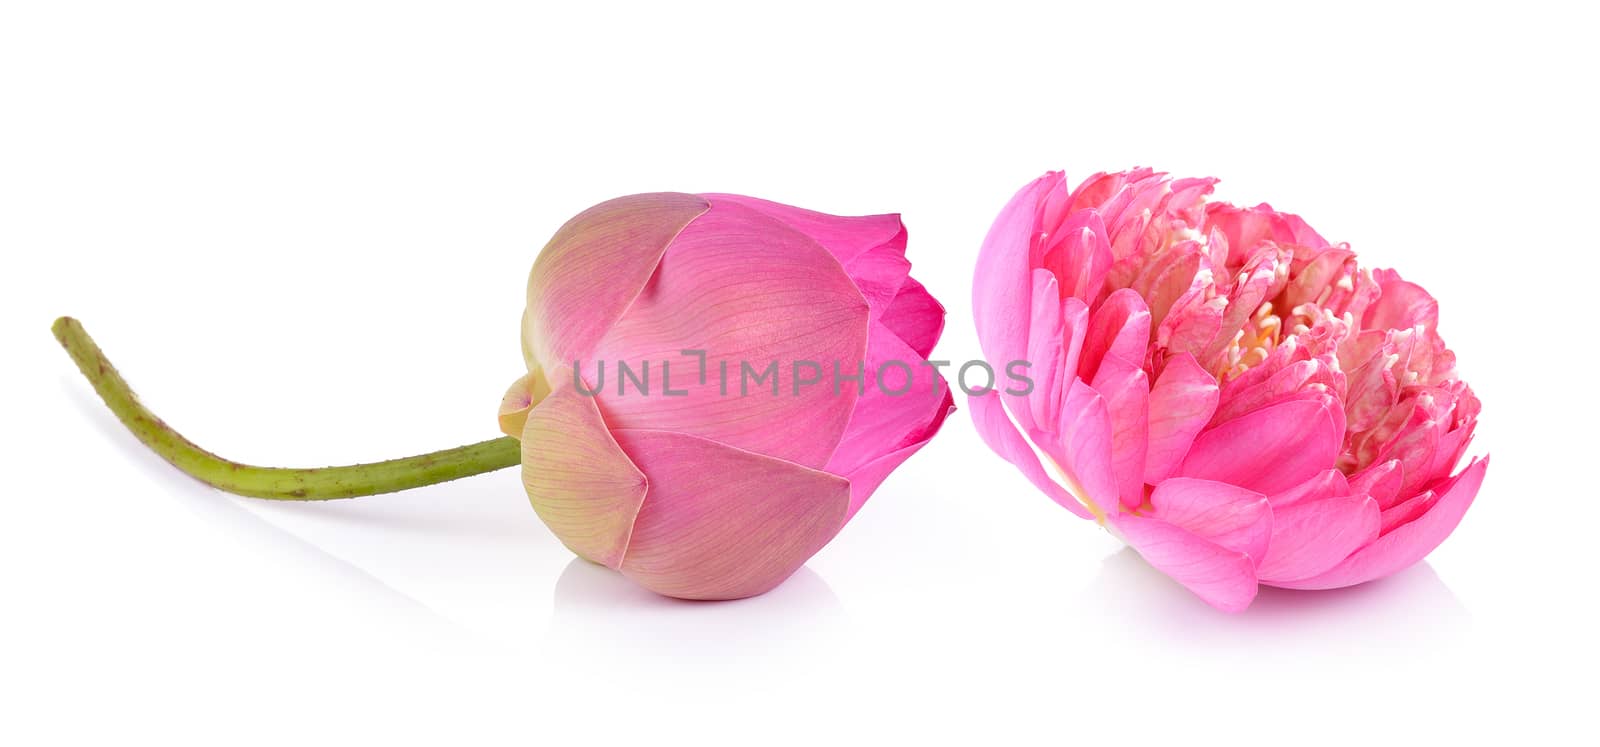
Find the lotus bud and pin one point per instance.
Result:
(716, 384)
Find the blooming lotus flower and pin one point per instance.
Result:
(1236, 398)
(696, 485)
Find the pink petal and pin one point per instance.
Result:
(1281, 357)
(864, 480)
(989, 416)
(579, 480)
(1408, 543)
(1080, 255)
(1246, 228)
(1055, 335)
(1262, 277)
(916, 317)
(898, 403)
(800, 307)
(1451, 447)
(1002, 284)
(1241, 399)
(1129, 212)
(1329, 483)
(1096, 190)
(1406, 511)
(1269, 450)
(1316, 274)
(1127, 393)
(1402, 305)
(1408, 431)
(593, 268)
(1372, 389)
(1119, 327)
(1301, 233)
(1309, 537)
(1086, 438)
(1188, 199)
(845, 237)
(1046, 352)
(1192, 323)
(1181, 403)
(879, 274)
(1224, 578)
(1169, 280)
(1229, 516)
(723, 523)
(1381, 481)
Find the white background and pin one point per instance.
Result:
(302, 230)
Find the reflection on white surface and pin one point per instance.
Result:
(1409, 606)
(587, 586)
(607, 632)
(594, 600)
(378, 563)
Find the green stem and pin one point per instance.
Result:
(278, 483)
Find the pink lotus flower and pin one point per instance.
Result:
(1220, 387)
(697, 485)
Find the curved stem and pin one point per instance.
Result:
(278, 483)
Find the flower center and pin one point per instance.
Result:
(1252, 344)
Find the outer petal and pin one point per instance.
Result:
(593, 268)
(1098, 188)
(1228, 515)
(1127, 393)
(989, 416)
(799, 308)
(1086, 438)
(864, 480)
(879, 275)
(1055, 335)
(1329, 483)
(1041, 407)
(1269, 450)
(1406, 511)
(723, 523)
(1408, 543)
(1181, 403)
(1224, 578)
(916, 317)
(1079, 255)
(846, 237)
(1002, 284)
(1239, 399)
(1310, 537)
(900, 399)
(520, 398)
(1120, 327)
(1451, 447)
(1381, 481)
(580, 482)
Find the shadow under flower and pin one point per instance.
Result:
(594, 602)
(1404, 609)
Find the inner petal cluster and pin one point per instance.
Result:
(1272, 311)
